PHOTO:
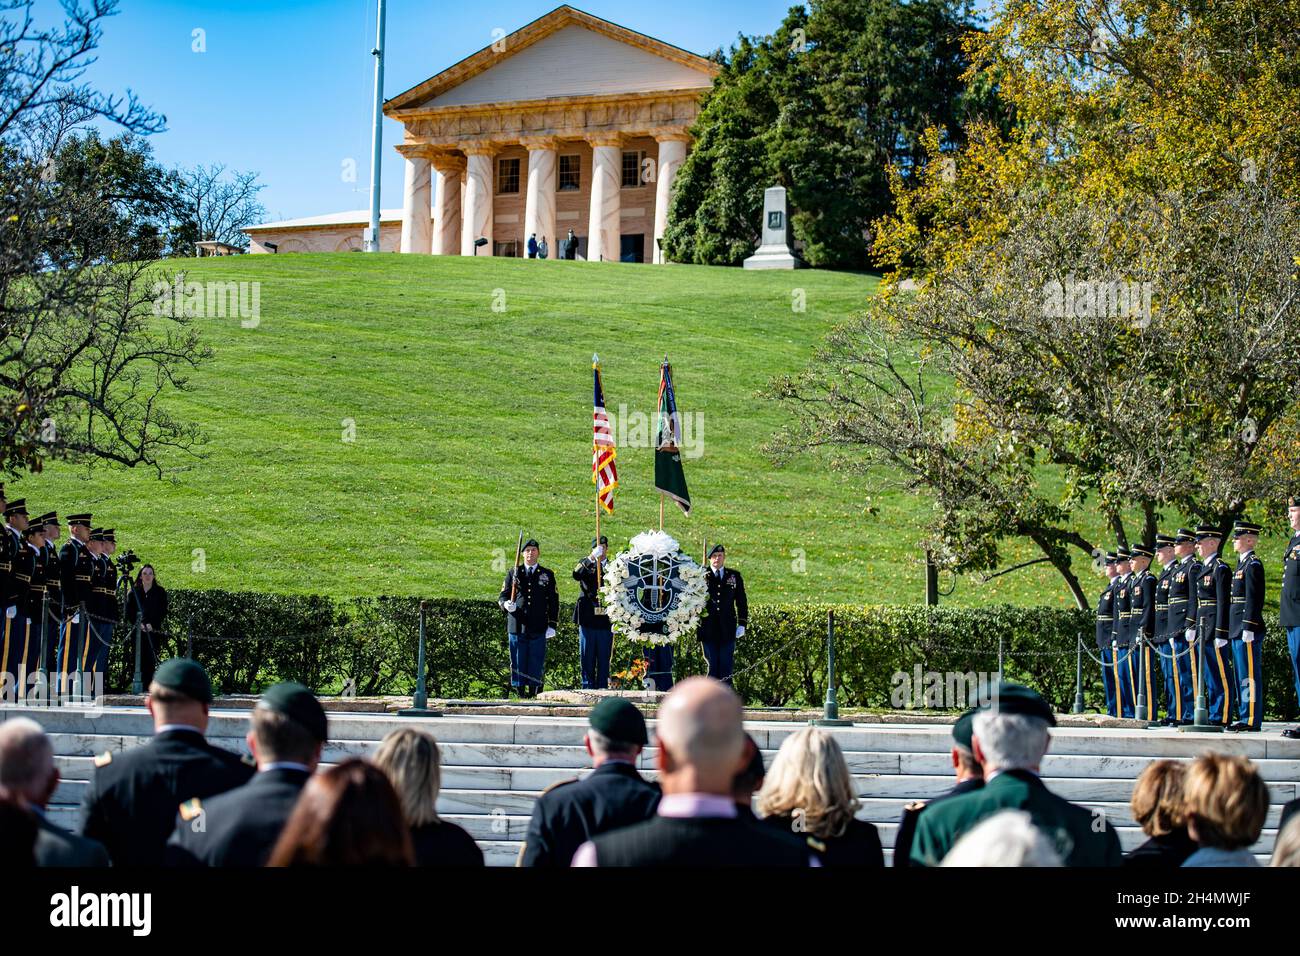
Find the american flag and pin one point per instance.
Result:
(603, 470)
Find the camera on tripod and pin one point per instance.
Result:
(127, 561)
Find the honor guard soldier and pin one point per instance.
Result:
(1289, 600)
(53, 618)
(970, 776)
(1246, 627)
(1142, 621)
(78, 568)
(1213, 598)
(1105, 638)
(240, 827)
(613, 795)
(532, 605)
(726, 615)
(595, 635)
(109, 612)
(130, 805)
(1161, 651)
(1122, 650)
(8, 551)
(15, 591)
(21, 652)
(1180, 685)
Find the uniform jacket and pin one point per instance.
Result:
(78, 569)
(1289, 599)
(1123, 605)
(1162, 631)
(240, 826)
(1070, 828)
(29, 571)
(9, 555)
(1182, 595)
(1142, 605)
(1105, 618)
(1247, 611)
(131, 803)
(727, 607)
(584, 611)
(700, 842)
(537, 600)
(1213, 595)
(570, 813)
(912, 812)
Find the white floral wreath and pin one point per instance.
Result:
(624, 612)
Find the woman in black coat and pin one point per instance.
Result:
(1157, 805)
(148, 602)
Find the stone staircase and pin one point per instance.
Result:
(494, 767)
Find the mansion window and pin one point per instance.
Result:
(508, 175)
(632, 169)
(569, 178)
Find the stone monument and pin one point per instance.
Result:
(775, 251)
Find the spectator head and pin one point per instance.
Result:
(701, 738)
(180, 694)
(27, 770)
(1286, 851)
(1012, 732)
(1008, 838)
(146, 578)
(617, 731)
(18, 828)
(289, 726)
(411, 759)
(1225, 801)
(1158, 798)
(750, 779)
(349, 815)
(810, 780)
(963, 756)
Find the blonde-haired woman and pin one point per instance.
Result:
(809, 792)
(411, 760)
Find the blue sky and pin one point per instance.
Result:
(285, 86)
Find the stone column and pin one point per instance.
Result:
(416, 235)
(446, 216)
(606, 176)
(672, 153)
(539, 205)
(476, 213)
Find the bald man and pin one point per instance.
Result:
(28, 774)
(701, 741)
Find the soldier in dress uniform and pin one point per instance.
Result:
(1105, 636)
(532, 605)
(1121, 646)
(104, 610)
(1160, 641)
(1246, 627)
(1289, 600)
(726, 616)
(77, 564)
(613, 795)
(595, 636)
(24, 651)
(7, 553)
(1142, 627)
(970, 776)
(130, 805)
(1213, 598)
(239, 827)
(53, 620)
(15, 593)
(1181, 627)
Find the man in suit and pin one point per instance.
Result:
(613, 795)
(1289, 600)
(970, 776)
(701, 749)
(1246, 627)
(1213, 598)
(1122, 645)
(595, 636)
(726, 616)
(532, 605)
(28, 775)
(1142, 626)
(1105, 638)
(1009, 739)
(1181, 627)
(131, 803)
(239, 827)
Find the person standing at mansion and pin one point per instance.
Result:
(726, 615)
(543, 250)
(595, 635)
(532, 605)
(147, 603)
(532, 246)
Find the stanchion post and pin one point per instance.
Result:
(137, 679)
(1201, 715)
(1078, 677)
(420, 700)
(1139, 645)
(189, 636)
(831, 712)
(1000, 672)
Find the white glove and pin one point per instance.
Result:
(511, 607)
(550, 633)
(1220, 642)
(595, 553)
(11, 612)
(740, 630)
(1190, 635)
(76, 618)
(1248, 636)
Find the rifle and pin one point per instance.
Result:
(514, 574)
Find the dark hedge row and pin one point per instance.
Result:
(248, 640)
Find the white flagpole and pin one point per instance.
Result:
(377, 134)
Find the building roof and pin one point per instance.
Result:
(360, 217)
(678, 68)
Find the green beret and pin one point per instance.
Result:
(185, 676)
(298, 704)
(961, 730)
(1019, 699)
(618, 719)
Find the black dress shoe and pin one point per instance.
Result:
(1236, 728)
(1292, 732)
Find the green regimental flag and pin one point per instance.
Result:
(669, 477)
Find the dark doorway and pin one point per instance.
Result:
(631, 248)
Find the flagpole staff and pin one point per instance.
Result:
(514, 575)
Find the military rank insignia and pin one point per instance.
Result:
(191, 809)
(104, 759)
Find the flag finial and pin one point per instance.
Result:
(595, 359)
